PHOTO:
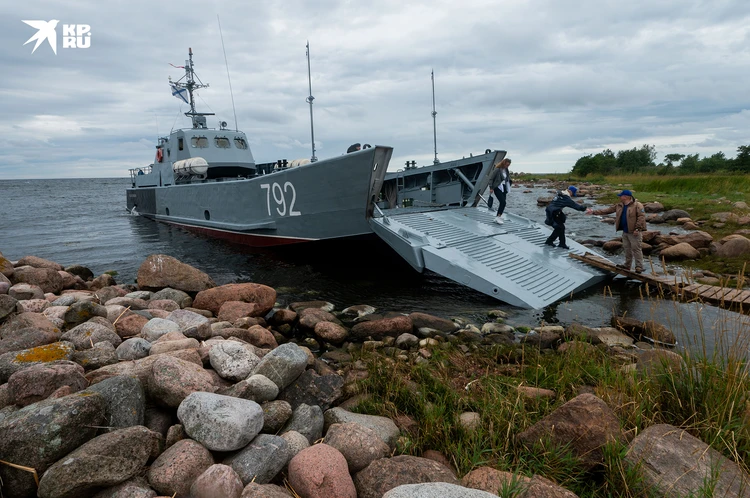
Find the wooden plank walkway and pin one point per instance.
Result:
(724, 297)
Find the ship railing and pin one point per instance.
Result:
(134, 172)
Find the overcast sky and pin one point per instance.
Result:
(548, 81)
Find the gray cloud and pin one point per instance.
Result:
(548, 81)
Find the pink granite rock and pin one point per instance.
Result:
(321, 471)
(178, 467)
(218, 481)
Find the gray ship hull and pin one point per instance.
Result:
(328, 199)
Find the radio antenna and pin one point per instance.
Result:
(231, 94)
(309, 100)
(434, 114)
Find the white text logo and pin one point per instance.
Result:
(74, 35)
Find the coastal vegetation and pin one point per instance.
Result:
(642, 160)
(705, 392)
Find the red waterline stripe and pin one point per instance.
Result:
(242, 238)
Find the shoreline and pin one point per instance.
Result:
(295, 373)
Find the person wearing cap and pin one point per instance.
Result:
(500, 183)
(555, 217)
(354, 148)
(630, 217)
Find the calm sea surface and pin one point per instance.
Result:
(84, 221)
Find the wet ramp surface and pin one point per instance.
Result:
(509, 262)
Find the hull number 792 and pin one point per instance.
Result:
(280, 197)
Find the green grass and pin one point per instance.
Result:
(708, 398)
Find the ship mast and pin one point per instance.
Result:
(189, 83)
(309, 100)
(434, 121)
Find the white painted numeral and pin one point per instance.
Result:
(268, 196)
(292, 212)
(279, 197)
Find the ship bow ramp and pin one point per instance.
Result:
(509, 262)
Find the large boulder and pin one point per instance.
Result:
(218, 481)
(18, 360)
(38, 262)
(7, 305)
(141, 369)
(359, 445)
(104, 461)
(178, 296)
(27, 338)
(37, 382)
(46, 278)
(220, 423)
(178, 467)
(441, 489)
(697, 239)
(233, 360)
(260, 460)
(82, 311)
(307, 420)
(41, 434)
(6, 267)
(377, 329)
(262, 296)
(653, 207)
(23, 291)
(585, 423)
(85, 335)
(680, 252)
(424, 320)
(320, 471)
(313, 389)
(735, 247)
(387, 473)
(159, 271)
(382, 426)
(191, 324)
(675, 463)
(26, 320)
(674, 215)
(124, 401)
(172, 380)
(157, 327)
(283, 365)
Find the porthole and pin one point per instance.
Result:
(206, 214)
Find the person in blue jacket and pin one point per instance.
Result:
(555, 217)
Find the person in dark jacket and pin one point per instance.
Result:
(555, 217)
(500, 183)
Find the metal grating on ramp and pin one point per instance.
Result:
(508, 261)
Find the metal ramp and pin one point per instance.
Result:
(509, 262)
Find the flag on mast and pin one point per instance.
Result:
(180, 93)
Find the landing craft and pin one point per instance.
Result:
(207, 180)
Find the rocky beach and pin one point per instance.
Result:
(175, 386)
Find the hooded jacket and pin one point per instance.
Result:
(554, 212)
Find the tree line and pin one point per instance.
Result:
(642, 160)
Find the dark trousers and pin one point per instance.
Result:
(501, 200)
(557, 232)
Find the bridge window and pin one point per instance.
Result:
(222, 142)
(240, 143)
(200, 142)
(181, 143)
